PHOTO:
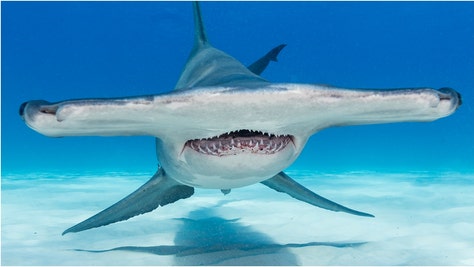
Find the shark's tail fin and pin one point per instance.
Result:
(200, 38)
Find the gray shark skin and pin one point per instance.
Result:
(225, 127)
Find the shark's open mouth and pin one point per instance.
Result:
(242, 141)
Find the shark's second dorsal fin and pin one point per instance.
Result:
(200, 37)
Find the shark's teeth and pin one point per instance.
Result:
(242, 141)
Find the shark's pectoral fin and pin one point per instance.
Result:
(283, 183)
(158, 191)
(261, 64)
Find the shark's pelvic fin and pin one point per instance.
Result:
(225, 191)
(158, 191)
(283, 183)
(261, 64)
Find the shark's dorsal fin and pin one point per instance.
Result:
(200, 37)
(208, 66)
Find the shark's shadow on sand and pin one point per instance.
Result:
(213, 240)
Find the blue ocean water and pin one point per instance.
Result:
(58, 51)
(62, 50)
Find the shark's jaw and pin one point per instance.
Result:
(229, 160)
(241, 141)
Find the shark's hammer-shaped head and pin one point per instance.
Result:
(225, 137)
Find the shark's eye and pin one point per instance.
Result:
(48, 110)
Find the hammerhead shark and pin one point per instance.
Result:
(224, 126)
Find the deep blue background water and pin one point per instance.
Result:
(61, 50)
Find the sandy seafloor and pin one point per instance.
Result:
(421, 218)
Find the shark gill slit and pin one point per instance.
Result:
(240, 141)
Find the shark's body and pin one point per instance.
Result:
(224, 126)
